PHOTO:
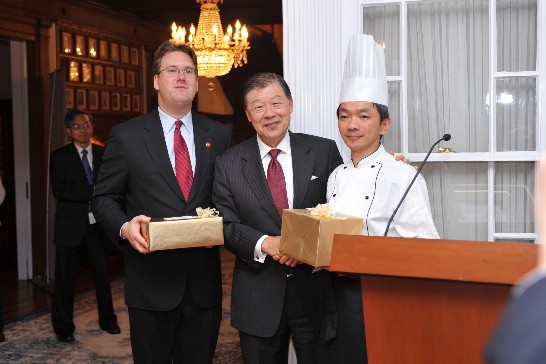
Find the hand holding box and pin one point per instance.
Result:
(307, 234)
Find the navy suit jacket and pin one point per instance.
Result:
(73, 193)
(137, 178)
(242, 196)
(520, 337)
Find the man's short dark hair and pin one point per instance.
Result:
(168, 47)
(261, 81)
(382, 109)
(71, 116)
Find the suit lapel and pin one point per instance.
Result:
(202, 153)
(154, 140)
(302, 168)
(97, 159)
(253, 172)
(76, 159)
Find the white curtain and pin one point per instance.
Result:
(448, 74)
(383, 22)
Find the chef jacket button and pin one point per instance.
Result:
(373, 166)
(334, 195)
(345, 167)
(367, 197)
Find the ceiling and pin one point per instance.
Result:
(185, 12)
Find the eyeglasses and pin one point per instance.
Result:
(80, 126)
(260, 108)
(173, 71)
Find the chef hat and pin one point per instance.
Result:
(364, 77)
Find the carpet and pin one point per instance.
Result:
(31, 339)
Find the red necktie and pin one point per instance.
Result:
(276, 182)
(182, 165)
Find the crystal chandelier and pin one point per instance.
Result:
(216, 52)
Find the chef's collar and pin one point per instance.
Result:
(371, 158)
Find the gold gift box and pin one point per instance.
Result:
(183, 232)
(308, 238)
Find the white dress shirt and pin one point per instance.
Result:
(89, 153)
(168, 124)
(285, 160)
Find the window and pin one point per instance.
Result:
(468, 68)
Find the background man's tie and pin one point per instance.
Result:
(182, 165)
(276, 182)
(87, 167)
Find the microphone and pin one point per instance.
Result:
(446, 137)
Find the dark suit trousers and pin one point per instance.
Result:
(185, 335)
(349, 345)
(1, 311)
(301, 318)
(67, 264)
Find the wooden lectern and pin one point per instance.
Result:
(431, 301)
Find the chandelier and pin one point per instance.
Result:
(216, 52)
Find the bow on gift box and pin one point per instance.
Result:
(207, 212)
(322, 210)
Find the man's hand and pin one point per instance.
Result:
(399, 157)
(290, 262)
(271, 246)
(131, 232)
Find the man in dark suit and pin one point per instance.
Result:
(2, 336)
(273, 297)
(520, 336)
(174, 296)
(73, 169)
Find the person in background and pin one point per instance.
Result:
(520, 335)
(273, 297)
(162, 165)
(73, 170)
(2, 336)
(369, 186)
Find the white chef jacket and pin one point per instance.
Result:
(372, 191)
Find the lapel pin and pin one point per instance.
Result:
(207, 144)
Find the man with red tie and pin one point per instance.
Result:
(161, 165)
(273, 298)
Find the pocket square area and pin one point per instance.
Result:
(313, 177)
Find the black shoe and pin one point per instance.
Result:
(112, 329)
(2, 337)
(66, 338)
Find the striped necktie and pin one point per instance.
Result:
(87, 168)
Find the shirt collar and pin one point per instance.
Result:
(167, 121)
(284, 146)
(371, 158)
(89, 148)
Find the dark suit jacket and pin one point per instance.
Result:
(73, 193)
(136, 172)
(520, 337)
(242, 196)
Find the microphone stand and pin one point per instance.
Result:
(446, 137)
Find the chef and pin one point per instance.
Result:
(370, 185)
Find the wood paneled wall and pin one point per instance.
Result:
(36, 22)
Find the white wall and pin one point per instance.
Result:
(316, 34)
